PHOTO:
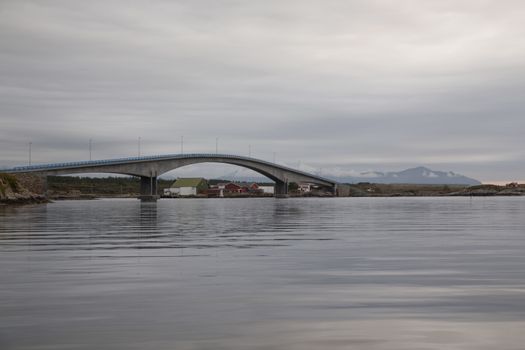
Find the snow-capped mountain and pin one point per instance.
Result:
(419, 175)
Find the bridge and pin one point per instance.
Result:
(148, 168)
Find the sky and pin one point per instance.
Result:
(338, 86)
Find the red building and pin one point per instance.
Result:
(232, 188)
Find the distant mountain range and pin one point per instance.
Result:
(419, 175)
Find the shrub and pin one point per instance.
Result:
(10, 181)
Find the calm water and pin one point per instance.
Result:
(352, 273)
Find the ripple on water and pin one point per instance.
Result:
(366, 273)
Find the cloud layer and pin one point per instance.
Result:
(341, 84)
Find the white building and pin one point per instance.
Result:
(267, 189)
(186, 187)
(305, 187)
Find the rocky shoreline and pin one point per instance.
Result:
(411, 190)
(18, 190)
(491, 190)
(24, 201)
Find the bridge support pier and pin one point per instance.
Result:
(341, 190)
(281, 189)
(148, 189)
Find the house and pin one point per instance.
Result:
(253, 188)
(232, 188)
(218, 188)
(305, 187)
(187, 187)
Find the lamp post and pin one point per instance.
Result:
(30, 144)
(182, 144)
(139, 146)
(90, 141)
(216, 145)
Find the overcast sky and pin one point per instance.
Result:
(340, 85)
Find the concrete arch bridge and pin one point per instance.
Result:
(148, 168)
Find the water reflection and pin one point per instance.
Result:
(148, 215)
(264, 274)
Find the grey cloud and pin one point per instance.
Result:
(364, 84)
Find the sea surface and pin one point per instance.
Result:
(313, 273)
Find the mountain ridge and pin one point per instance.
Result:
(418, 176)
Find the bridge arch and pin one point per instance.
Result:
(267, 174)
(149, 168)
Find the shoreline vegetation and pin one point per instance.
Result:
(415, 190)
(31, 189)
(84, 188)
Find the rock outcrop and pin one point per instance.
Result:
(21, 189)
